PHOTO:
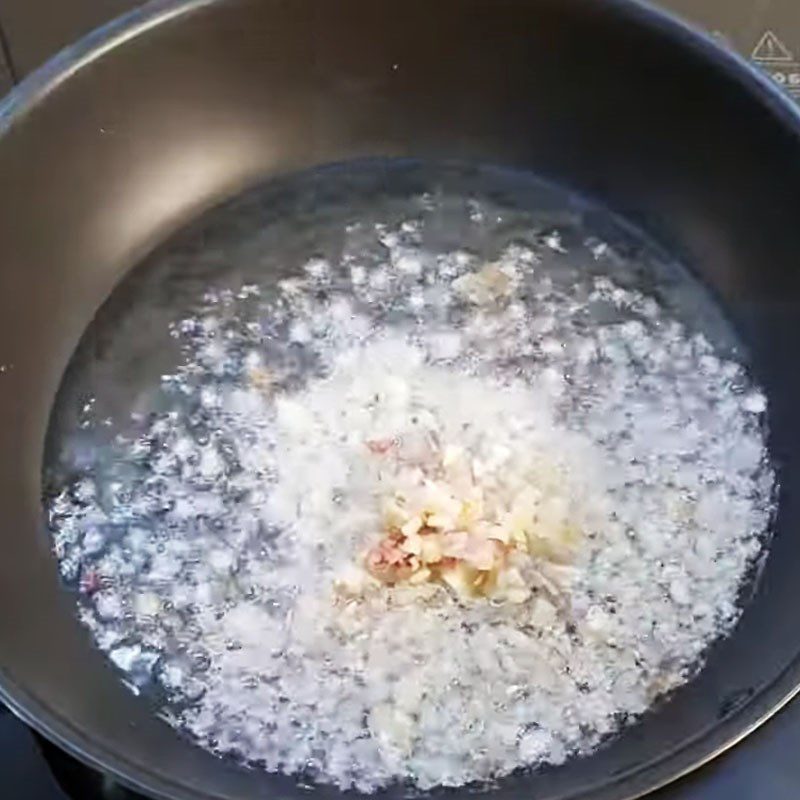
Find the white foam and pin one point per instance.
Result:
(663, 462)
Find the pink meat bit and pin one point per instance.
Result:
(387, 562)
(91, 582)
(380, 446)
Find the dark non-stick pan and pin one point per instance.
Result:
(122, 139)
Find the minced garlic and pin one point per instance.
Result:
(448, 523)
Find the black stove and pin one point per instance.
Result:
(764, 766)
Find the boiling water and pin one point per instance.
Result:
(165, 457)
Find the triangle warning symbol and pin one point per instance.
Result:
(771, 49)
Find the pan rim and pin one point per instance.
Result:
(638, 780)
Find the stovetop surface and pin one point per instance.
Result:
(763, 767)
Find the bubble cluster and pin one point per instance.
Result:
(206, 542)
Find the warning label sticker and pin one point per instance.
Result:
(778, 61)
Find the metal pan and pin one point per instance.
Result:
(123, 138)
